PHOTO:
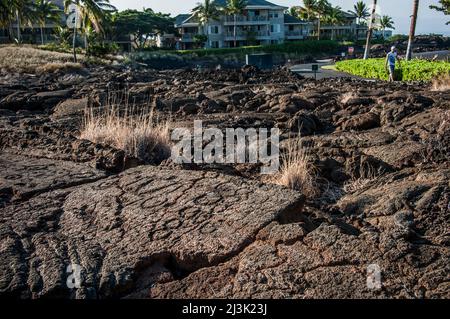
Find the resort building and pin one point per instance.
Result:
(262, 22)
(349, 29)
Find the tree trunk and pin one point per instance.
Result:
(207, 36)
(318, 28)
(370, 32)
(42, 35)
(18, 27)
(75, 37)
(235, 31)
(11, 32)
(412, 30)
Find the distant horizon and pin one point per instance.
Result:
(429, 21)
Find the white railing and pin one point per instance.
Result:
(246, 19)
(296, 33)
(246, 34)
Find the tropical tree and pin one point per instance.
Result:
(370, 32)
(63, 35)
(294, 11)
(91, 13)
(412, 30)
(444, 6)
(321, 9)
(334, 17)
(46, 11)
(235, 8)
(386, 22)
(206, 12)
(141, 25)
(308, 11)
(25, 15)
(7, 13)
(361, 11)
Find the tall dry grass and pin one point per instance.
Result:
(297, 169)
(141, 136)
(441, 83)
(25, 59)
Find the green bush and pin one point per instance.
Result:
(100, 49)
(415, 70)
(298, 47)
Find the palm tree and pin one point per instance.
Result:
(235, 8)
(7, 13)
(25, 14)
(91, 13)
(46, 11)
(205, 12)
(322, 7)
(63, 35)
(334, 17)
(444, 6)
(309, 9)
(386, 22)
(370, 32)
(412, 30)
(361, 11)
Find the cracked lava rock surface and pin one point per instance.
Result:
(155, 229)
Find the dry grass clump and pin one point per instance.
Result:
(297, 170)
(23, 59)
(140, 136)
(347, 97)
(441, 83)
(58, 66)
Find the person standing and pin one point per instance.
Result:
(391, 59)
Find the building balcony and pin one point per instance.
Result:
(242, 20)
(188, 37)
(259, 35)
(297, 33)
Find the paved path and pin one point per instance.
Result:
(305, 70)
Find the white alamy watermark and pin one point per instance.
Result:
(74, 276)
(237, 145)
(373, 276)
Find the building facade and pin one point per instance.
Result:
(349, 29)
(261, 23)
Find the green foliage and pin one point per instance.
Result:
(300, 47)
(101, 49)
(141, 24)
(200, 38)
(414, 70)
(444, 6)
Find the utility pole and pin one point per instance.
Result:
(412, 30)
(370, 31)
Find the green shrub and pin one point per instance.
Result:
(298, 47)
(415, 70)
(100, 49)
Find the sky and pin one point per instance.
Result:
(429, 21)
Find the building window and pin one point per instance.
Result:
(214, 29)
(274, 28)
(291, 28)
(215, 44)
(257, 13)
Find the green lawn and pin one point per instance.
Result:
(415, 70)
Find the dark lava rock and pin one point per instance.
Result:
(131, 225)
